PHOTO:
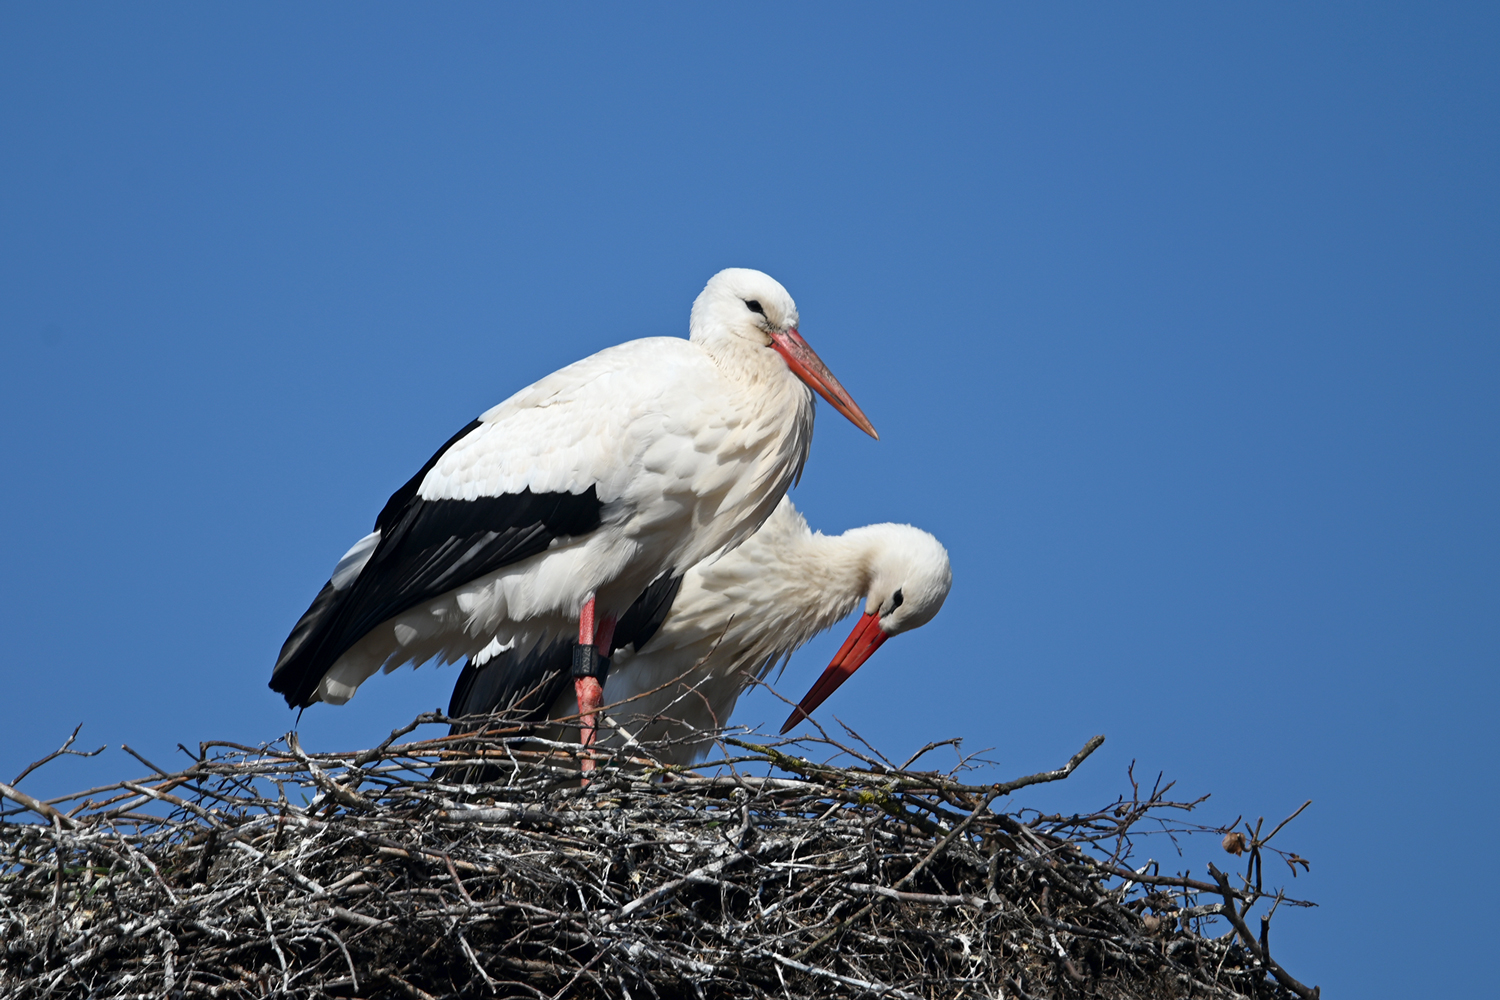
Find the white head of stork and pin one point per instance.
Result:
(740, 306)
(728, 622)
(552, 512)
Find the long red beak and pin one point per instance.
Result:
(807, 366)
(864, 640)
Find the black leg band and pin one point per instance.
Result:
(588, 663)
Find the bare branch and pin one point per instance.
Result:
(59, 752)
(272, 869)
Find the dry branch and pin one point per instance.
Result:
(274, 871)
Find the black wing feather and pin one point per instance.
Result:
(523, 686)
(526, 684)
(426, 548)
(645, 616)
(407, 493)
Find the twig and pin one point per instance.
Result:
(279, 871)
(1253, 946)
(60, 751)
(36, 806)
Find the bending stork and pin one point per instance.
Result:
(701, 641)
(549, 514)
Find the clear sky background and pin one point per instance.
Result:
(1179, 324)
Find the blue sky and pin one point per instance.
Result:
(1178, 323)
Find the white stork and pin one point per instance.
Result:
(700, 642)
(553, 511)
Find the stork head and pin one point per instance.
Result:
(749, 309)
(743, 303)
(909, 580)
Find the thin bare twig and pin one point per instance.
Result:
(279, 870)
(59, 752)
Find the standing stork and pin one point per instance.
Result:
(702, 640)
(554, 510)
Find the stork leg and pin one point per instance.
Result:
(589, 670)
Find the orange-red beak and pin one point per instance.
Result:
(807, 366)
(863, 641)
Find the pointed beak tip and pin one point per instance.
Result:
(856, 417)
(858, 420)
(866, 637)
(806, 365)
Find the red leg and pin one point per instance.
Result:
(605, 634)
(589, 691)
(586, 622)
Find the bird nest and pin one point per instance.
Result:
(781, 869)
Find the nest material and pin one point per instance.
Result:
(273, 872)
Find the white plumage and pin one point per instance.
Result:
(646, 423)
(638, 461)
(736, 616)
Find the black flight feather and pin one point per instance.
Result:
(426, 548)
(526, 685)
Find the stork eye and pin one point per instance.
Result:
(755, 306)
(896, 600)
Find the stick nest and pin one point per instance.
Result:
(268, 871)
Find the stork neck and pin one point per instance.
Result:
(751, 366)
(837, 571)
